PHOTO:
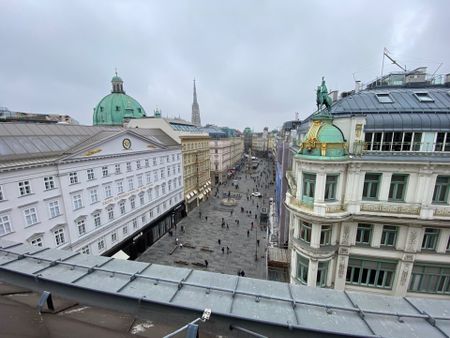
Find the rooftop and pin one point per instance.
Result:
(282, 309)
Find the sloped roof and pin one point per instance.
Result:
(27, 143)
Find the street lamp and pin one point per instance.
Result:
(256, 243)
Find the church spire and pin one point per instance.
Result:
(195, 110)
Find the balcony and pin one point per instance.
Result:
(414, 150)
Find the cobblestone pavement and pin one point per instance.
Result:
(200, 237)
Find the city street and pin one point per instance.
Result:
(223, 236)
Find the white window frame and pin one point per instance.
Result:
(77, 201)
(5, 225)
(24, 188)
(54, 209)
(49, 183)
(59, 236)
(31, 217)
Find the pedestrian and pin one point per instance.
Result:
(256, 216)
(228, 250)
(223, 250)
(181, 245)
(206, 263)
(206, 218)
(242, 273)
(218, 241)
(228, 226)
(248, 233)
(200, 214)
(176, 241)
(231, 213)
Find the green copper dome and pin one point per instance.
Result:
(329, 133)
(114, 108)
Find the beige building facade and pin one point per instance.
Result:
(225, 153)
(195, 152)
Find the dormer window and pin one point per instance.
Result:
(423, 97)
(117, 108)
(384, 98)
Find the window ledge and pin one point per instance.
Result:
(30, 194)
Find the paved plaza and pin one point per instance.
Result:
(200, 238)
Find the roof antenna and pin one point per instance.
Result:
(115, 70)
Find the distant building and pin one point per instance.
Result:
(14, 116)
(88, 189)
(369, 191)
(248, 136)
(194, 143)
(196, 110)
(226, 152)
(260, 143)
(116, 108)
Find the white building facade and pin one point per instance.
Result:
(95, 190)
(368, 194)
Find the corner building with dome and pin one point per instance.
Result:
(116, 108)
(369, 191)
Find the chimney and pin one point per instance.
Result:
(357, 86)
(447, 80)
(334, 95)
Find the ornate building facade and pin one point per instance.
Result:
(194, 143)
(88, 189)
(368, 194)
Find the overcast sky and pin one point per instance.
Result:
(256, 62)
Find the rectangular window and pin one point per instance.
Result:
(154, 161)
(305, 231)
(322, 272)
(442, 142)
(376, 145)
(114, 237)
(309, 183)
(162, 173)
(73, 177)
(105, 171)
(110, 211)
(94, 195)
(163, 188)
(148, 177)
(2, 196)
(147, 163)
(49, 182)
(37, 241)
(81, 225)
(441, 188)
(90, 174)
(30, 216)
(149, 194)
(5, 225)
(384, 98)
(325, 235)
(133, 202)
(122, 207)
(117, 168)
(371, 184)
(140, 181)
(398, 188)
(108, 192)
(128, 166)
(302, 269)
(59, 237)
(54, 209)
(155, 175)
(141, 198)
(364, 234)
(330, 187)
(85, 250)
(130, 183)
(97, 219)
(430, 238)
(376, 274)
(138, 164)
(119, 187)
(429, 278)
(135, 223)
(24, 188)
(389, 236)
(77, 202)
(101, 245)
(125, 230)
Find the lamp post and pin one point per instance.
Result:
(256, 243)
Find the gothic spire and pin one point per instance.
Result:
(195, 110)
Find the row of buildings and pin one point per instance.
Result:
(362, 188)
(116, 186)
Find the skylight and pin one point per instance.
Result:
(423, 97)
(384, 98)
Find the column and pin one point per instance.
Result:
(385, 184)
(341, 269)
(312, 272)
(403, 275)
(377, 232)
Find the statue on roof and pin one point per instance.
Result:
(322, 96)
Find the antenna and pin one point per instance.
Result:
(386, 54)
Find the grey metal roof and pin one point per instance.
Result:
(404, 100)
(272, 303)
(44, 142)
(408, 122)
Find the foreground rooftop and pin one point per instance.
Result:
(162, 293)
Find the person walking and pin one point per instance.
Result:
(228, 250)
(248, 233)
(219, 241)
(206, 263)
(223, 250)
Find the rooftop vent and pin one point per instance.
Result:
(423, 97)
(384, 98)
